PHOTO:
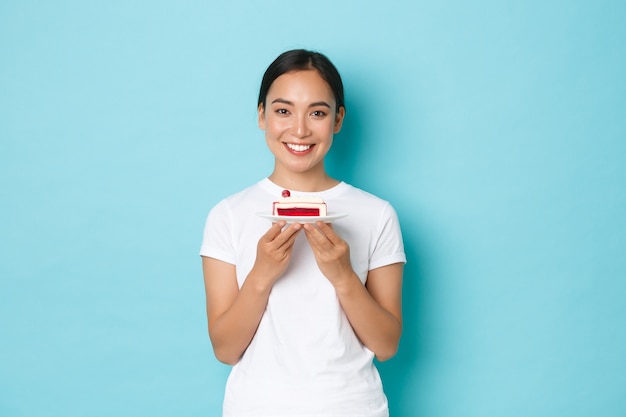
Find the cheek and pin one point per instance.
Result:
(327, 129)
(276, 125)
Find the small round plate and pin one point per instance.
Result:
(331, 217)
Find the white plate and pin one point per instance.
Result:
(331, 217)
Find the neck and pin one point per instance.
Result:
(304, 182)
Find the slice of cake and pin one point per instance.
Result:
(299, 206)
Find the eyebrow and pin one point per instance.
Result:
(315, 104)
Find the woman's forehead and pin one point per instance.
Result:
(307, 83)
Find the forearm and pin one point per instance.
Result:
(377, 328)
(234, 313)
(233, 330)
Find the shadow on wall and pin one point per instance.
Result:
(399, 372)
(346, 161)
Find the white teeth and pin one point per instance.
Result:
(298, 148)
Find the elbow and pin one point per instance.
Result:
(383, 358)
(225, 358)
(389, 348)
(386, 354)
(223, 353)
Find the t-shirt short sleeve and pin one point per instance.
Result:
(389, 247)
(217, 238)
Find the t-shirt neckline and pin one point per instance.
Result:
(276, 190)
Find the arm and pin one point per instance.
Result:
(374, 310)
(235, 313)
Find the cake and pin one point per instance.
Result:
(298, 206)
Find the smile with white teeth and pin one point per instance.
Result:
(298, 148)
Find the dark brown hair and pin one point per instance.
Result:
(298, 60)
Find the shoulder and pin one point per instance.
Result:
(242, 198)
(362, 198)
(245, 194)
(363, 207)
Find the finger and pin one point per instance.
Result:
(325, 230)
(315, 235)
(273, 231)
(288, 236)
(329, 232)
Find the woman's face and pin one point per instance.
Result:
(299, 121)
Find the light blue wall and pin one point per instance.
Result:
(496, 128)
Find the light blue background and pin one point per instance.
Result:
(496, 128)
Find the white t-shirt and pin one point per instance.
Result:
(305, 359)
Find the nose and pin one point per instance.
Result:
(300, 127)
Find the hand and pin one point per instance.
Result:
(331, 252)
(274, 251)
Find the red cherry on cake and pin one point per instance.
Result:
(285, 193)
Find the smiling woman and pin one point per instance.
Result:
(303, 306)
(299, 124)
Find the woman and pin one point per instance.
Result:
(301, 310)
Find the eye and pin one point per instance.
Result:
(282, 112)
(318, 113)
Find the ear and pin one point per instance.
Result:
(261, 116)
(341, 113)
